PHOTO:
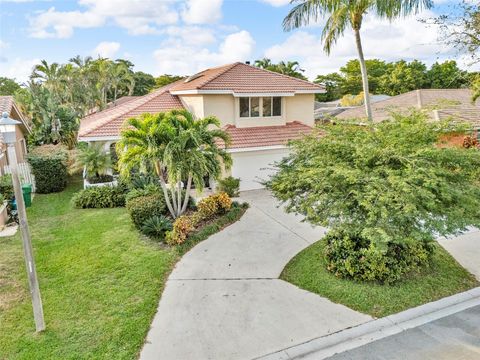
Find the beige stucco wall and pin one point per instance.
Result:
(300, 108)
(194, 104)
(226, 109)
(221, 106)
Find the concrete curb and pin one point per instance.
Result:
(350, 338)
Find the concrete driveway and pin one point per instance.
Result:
(224, 299)
(465, 249)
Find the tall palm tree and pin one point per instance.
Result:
(343, 14)
(178, 147)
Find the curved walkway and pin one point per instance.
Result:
(224, 300)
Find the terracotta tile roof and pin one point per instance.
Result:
(109, 121)
(264, 135)
(242, 78)
(454, 103)
(6, 104)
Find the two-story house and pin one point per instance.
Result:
(260, 109)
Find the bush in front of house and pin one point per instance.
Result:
(99, 197)
(213, 205)
(391, 186)
(354, 257)
(6, 186)
(142, 208)
(207, 208)
(156, 226)
(49, 166)
(230, 185)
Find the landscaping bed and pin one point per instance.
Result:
(443, 277)
(100, 280)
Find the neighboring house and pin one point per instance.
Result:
(438, 104)
(326, 110)
(7, 104)
(261, 110)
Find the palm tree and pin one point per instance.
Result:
(349, 13)
(121, 76)
(94, 160)
(178, 147)
(291, 68)
(264, 63)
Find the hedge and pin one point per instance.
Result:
(99, 197)
(49, 166)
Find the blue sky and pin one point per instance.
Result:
(182, 37)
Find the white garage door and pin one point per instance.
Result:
(254, 166)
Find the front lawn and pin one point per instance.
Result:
(100, 282)
(442, 278)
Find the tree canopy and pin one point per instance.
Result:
(290, 68)
(393, 78)
(389, 182)
(8, 86)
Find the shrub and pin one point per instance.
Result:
(393, 182)
(99, 197)
(208, 208)
(49, 166)
(100, 179)
(142, 208)
(213, 205)
(229, 185)
(354, 257)
(6, 187)
(156, 226)
(182, 226)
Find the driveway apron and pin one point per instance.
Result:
(224, 300)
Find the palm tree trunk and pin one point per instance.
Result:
(164, 188)
(187, 194)
(363, 69)
(179, 198)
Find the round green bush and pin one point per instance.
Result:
(351, 256)
(142, 208)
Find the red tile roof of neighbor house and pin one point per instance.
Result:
(7, 104)
(262, 136)
(242, 78)
(110, 121)
(439, 104)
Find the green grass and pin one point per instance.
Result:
(100, 282)
(442, 278)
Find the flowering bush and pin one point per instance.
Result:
(207, 209)
(214, 204)
(182, 226)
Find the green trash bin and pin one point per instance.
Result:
(27, 194)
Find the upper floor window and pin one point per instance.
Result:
(260, 106)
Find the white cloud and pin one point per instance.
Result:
(277, 3)
(402, 39)
(136, 16)
(4, 44)
(18, 69)
(106, 49)
(183, 59)
(190, 35)
(59, 24)
(202, 11)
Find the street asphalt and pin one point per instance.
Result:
(455, 337)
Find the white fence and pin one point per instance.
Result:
(24, 172)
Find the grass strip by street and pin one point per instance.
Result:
(443, 277)
(100, 281)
